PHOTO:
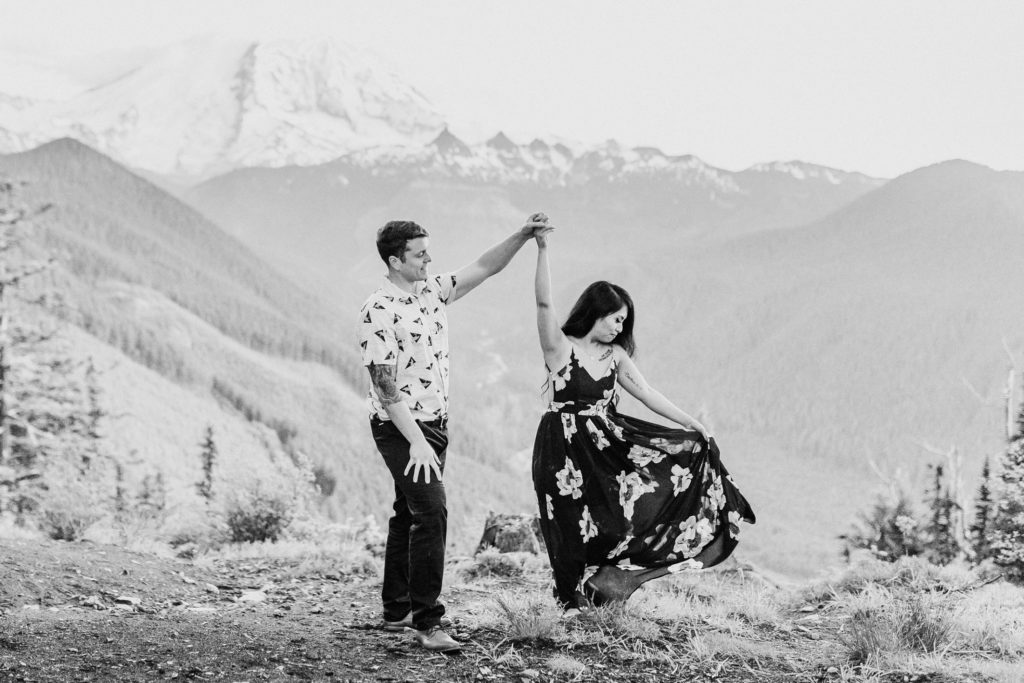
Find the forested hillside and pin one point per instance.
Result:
(271, 365)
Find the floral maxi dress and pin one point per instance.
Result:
(623, 500)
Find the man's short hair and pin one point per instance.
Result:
(392, 238)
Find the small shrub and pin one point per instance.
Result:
(491, 562)
(192, 531)
(257, 516)
(68, 511)
(67, 523)
(529, 620)
(566, 665)
(869, 635)
(890, 529)
(991, 620)
(619, 621)
(921, 626)
(883, 622)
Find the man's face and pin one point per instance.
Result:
(414, 267)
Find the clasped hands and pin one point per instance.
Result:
(537, 226)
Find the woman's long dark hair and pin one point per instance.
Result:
(598, 300)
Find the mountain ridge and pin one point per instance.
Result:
(203, 106)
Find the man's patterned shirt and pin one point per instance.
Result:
(410, 331)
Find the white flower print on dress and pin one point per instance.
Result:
(668, 446)
(631, 487)
(694, 534)
(588, 572)
(642, 457)
(597, 435)
(568, 425)
(681, 478)
(615, 429)
(714, 498)
(734, 524)
(684, 566)
(561, 378)
(550, 506)
(609, 398)
(621, 547)
(602, 406)
(588, 529)
(569, 480)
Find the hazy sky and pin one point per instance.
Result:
(880, 87)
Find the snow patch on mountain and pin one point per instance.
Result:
(804, 171)
(500, 160)
(207, 106)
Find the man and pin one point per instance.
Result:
(403, 334)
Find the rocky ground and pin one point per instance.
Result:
(85, 612)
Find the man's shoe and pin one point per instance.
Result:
(398, 626)
(435, 639)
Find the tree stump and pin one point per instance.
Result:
(510, 533)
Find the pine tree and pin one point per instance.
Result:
(151, 499)
(208, 456)
(942, 546)
(1007, 545)
(980, 542)
(94, 414)
(14, 268)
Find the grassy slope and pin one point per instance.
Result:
(157, 279)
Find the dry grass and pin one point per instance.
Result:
(877, 619)
(491, 563)
(910, 573)
(564, 664)
(991, 621)
(883, 623)
(525, 619)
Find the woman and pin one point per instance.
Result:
(622, 500)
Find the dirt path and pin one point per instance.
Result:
(82, 612)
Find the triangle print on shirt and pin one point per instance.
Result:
(410, 332)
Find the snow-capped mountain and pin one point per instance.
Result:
(205, 107)
(501, 161)
(208, 107)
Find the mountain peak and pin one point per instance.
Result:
(502, 143)
(223, 104)
(447, 143)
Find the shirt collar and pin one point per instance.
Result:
(405, 297)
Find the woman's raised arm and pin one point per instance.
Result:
(553, 342)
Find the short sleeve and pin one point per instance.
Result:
(445, 286)
(377, 342)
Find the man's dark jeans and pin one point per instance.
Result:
(418, 530)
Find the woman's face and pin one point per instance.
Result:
(606, 329)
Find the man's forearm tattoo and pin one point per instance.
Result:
(383, 379)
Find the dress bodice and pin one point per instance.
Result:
(575, 389)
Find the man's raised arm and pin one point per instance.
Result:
(495, 259)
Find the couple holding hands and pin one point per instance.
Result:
(621, 500)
